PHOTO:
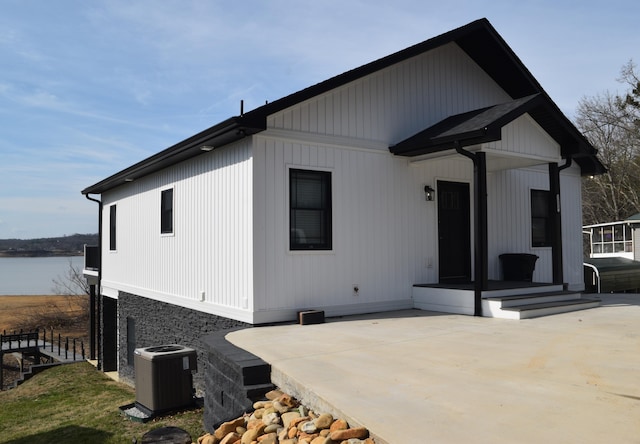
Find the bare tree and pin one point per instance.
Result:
(72, 283)
(629, 76)
(611, 123)
(74, 286)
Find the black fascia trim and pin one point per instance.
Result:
(255, 121)
(478, 39)
(479, 30)
(492, 53)
(228, 131)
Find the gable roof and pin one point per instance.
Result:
(485, 124)
(635, 218)
(478, 39)
(613, 263)
(470, 128)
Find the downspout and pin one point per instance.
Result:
(566, 165)
(480, 225)
(99, 302)
(554, 184)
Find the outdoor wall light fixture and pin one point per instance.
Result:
(428, 192)
(206, 148)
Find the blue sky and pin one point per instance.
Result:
(87, 88)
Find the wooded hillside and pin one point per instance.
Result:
(53, 246)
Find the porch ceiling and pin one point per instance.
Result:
(496, 160)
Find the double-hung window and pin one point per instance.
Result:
(166, 211)
(540, 218)
(310, 210)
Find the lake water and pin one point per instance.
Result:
(34, 275)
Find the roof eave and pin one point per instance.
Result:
(478, 39)
(228, 131)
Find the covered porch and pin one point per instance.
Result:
(525, 134)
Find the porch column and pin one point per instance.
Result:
(480, 230)
(555, 223)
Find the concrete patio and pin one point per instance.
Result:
(416, 377)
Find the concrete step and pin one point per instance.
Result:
(522, 290)
(523, 306)
(551, 308)
(533, 298)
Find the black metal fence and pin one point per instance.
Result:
(46, 347)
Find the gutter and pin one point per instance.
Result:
(567, 164)
(224, 133)
(99, 304)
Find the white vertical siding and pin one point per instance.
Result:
(571, 204)
(525, 136)
(509, 198)
(384, 232)
(371, 236)
(399, 101)
(425, 219)
(509, 212)
(231, 226)
(210, 250)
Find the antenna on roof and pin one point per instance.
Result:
(241, 108)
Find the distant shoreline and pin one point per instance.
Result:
(40, 253)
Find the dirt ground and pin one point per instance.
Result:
(17, 311)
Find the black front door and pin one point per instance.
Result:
(454, 232)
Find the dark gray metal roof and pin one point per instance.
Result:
(470, 128)
(478, 39)
(485, 124)
(608, 264)
(634, 218)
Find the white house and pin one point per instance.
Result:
(615, 239)
(613, 262)
(395, 185)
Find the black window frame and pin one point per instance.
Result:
(319, 208)
(540, 218)
(166, 211)
(112, 228)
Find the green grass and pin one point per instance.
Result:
(75, 404)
